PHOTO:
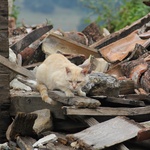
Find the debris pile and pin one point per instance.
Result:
(116, 112)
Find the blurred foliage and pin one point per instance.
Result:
(111, 14)
(116, 14)
(15, 11)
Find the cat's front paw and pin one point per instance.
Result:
(69, 94)
(81, 93)
(50, 101)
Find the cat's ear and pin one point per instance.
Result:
(86, 69)
(68, 70)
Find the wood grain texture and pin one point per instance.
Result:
(16, 68)
(115, 130)
(121, 101)
(24, 102)
(108, 111)
(72, 46)
(30, 38)
(31, 101)
(4, 72)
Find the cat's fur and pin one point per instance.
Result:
(57, 72)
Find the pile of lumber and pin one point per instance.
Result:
(116, 112)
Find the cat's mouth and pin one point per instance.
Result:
(74, 90)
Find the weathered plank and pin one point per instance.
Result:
(77, 101)
(4, 92)
(4, 123)
(4, 72)
(31, 101)
(16, 68)
(24, 102)
(108, 111)
(92, 121)
(127, 86)
(107, 133)
(142, 97)
(120, 100)
(30, 38)
(56, 43)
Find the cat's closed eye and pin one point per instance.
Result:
(76, 81)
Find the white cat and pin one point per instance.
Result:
(57, 72)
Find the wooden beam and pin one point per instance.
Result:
(142, 97)
(108, 111)
(79, 102)
(123, 101)
(30, 38)
(75, 47)
(92, 121)
(4, 72)
(16, 68)
(24, 102)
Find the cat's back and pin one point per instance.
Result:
(56, 59)
(53, 64)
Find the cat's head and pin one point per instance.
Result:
(77, 78)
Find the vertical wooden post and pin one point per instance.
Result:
(4, 72)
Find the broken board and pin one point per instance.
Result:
(16, 68)
(30, 38)
(55, 43)
(108, 111)
(106, 134)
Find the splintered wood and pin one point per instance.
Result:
(106, 134)
(54, 43)
(30, 38)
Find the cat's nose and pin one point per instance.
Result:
(74, 86)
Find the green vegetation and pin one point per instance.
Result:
(115, 14)
(111, 14)
(15, 11)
